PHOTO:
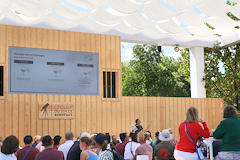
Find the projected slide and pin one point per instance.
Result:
(43, 71)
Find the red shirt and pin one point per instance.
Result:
(120, 148)
(196, 130)
(31, 154)
(50, 154)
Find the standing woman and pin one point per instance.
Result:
(87, 153)
(131, 147)
(138, 125)
(229, 131)
(185, 148)
(56, 141)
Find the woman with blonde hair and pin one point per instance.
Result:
(36, 140)
(144, 149)
(188, 130)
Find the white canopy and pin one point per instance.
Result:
(163, 22)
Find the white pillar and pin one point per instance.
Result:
(197, 72)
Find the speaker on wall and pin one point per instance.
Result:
(159, 48)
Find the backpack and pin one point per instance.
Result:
(116, 156)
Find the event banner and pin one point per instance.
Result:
(56, 111)
(44, 71)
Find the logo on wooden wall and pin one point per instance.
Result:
(56, 111)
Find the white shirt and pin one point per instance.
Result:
(130, 150)
(7, 157)
(65, 147)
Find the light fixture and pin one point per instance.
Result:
(159, 48)
(176, 49)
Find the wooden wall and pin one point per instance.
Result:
(19, 113)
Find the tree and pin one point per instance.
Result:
(225, 83)
(152, 74)
(184, 68)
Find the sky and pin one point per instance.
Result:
(127, 52)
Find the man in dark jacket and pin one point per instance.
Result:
(74, 152)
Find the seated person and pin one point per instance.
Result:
(156, 140)
(164, 150)
(229, 131)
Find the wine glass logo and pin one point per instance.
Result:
(57, 72)
(24, 70)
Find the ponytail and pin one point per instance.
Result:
(104, 145)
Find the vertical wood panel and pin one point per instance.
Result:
(145, 110)
(8, 107)
(2, 118)
(15, 115)
(78, 122)
(3, 39)
(127, 112)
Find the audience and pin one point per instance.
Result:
(144, 148)
(156, 139)
(38, 143)
(49, 153)
(135, 146)
(229, 131)
(102, 143)
(75, 151)
(65, 147)
(173, 141)
(149, 137)
(131, 147)
(37, 140)
(9, 148)
(164, 150)
(93, 146)
(108, 139)
(185, 148)
(87, 152)
(120, 147)
(56, 140)
(0, 143)
(28, 152)
(114, 142)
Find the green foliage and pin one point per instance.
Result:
(232, 16)
(231, 3)
(237, 27)
(219, 35)
(184, 64)
(209, 26)
(226, 83)
(152, 74)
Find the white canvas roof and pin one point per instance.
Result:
(162, 22)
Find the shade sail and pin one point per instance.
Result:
(164, 22)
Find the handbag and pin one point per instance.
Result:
(198, 148)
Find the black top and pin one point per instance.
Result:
(139, 127)
(74, 152)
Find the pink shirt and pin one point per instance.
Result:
(39, 145)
